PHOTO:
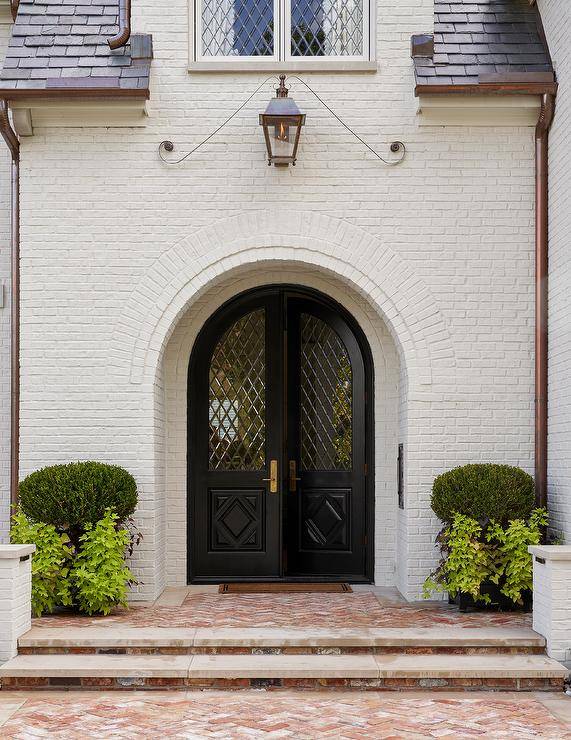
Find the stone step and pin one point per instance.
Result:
(510, 672)
(278, 640)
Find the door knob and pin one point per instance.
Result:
(293, 479)
(273, 479)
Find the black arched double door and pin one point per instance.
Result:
(279, 442)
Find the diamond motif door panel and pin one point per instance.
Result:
(237, 519)
(277, 442)
(325, 520)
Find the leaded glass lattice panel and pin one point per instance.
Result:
(326, 393)
(237, 396)
(237, 28)
(321, 28)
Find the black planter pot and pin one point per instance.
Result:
(498, 601)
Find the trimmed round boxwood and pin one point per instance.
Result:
(483, 491)
(68, 496)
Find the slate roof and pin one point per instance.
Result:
(483, 42)
(62, 45)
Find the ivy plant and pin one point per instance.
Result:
(99, 575)
(475, 554)
(50, 562)
(513, 561)
(466, 563)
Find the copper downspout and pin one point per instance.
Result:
(124, 33)
(14, 5)
(541, 287)
(11, 140)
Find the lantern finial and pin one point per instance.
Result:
(282, 90)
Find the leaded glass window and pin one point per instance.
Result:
(326, 391)
(281, 29)
(237, 396)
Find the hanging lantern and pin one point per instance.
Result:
(282, 122)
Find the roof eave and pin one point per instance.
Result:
(485, 88)
(75, 93)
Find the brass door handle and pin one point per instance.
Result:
(273, 479)
(293, 476)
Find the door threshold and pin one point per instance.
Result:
(290, 579)
(281, 587)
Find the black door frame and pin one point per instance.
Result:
(233, 305)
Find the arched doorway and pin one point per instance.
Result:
(280, 444)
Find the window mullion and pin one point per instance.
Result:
(285, 15)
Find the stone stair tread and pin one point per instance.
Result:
(114, 636)
(386, 666)
(469, 666)
(140, 666)
(285, 666)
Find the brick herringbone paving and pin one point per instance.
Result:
(255, 714)
(292, 610)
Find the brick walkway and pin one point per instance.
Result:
(292, 610)
(256, 714)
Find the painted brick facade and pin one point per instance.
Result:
(121, 255)
(557, 23)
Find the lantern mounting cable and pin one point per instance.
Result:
(396, 146)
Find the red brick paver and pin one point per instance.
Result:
(256, 714)
(292, 610)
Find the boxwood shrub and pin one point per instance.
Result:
(483, 491)
(73, 495)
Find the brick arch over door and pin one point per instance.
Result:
(196, 262)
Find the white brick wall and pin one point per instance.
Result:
(556, 17)
(117, 247)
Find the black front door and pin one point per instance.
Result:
(278, 442)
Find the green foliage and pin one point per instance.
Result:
(474, 556)
(50, 562)
(99, 574)
(73, 495)
(483, 492)
(514, 564)
(467, 562)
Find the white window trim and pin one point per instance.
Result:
(364, 63)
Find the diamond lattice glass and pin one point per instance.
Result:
(326, 28)
(326, 398)
(237, 406)
(237, 28)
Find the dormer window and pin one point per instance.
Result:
(258, 32)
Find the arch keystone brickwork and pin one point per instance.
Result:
(332, 245)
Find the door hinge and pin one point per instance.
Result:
(365, 540)
(366, 469)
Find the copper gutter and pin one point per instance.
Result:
(11, 140)
(541, 293)
(124, 33)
